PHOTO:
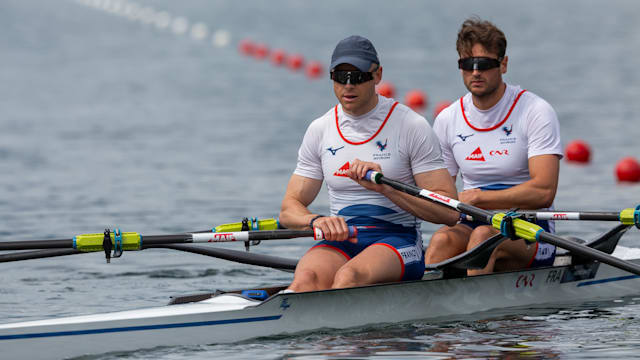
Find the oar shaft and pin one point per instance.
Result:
(572, 215)
(93, 242)
(262, 235)
(523, 229)
(478, 213)
(38, 254)
(36, 244)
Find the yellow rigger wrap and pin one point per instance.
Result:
(524, 229)
(626, 216)
(93, 242)
(266, 224)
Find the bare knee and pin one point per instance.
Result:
(441, 247)
(347, 276)
(306, 280)
(479, 235)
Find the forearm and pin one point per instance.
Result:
(294, 215)
(424, 209)
(524, 196)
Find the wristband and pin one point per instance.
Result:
(314, 219)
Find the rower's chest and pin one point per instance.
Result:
(503, 149)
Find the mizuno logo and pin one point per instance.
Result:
(476, 155)
(382, 146)
(343, 170)
(464, 137)
(334, 151)
(509, 130)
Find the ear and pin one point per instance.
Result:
(377, 76)
(503, 64)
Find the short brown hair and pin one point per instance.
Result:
(476, 31)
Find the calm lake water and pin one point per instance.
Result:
(111, 120)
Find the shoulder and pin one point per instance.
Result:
(410, 119)
(447, 116)
(319, 124)
(535, 103)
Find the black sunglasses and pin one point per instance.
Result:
(478, 63)
(351, 77)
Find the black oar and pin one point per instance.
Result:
(508, 225)
(626, 217)
(243, 257)
(38, 254)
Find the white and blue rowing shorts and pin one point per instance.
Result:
(402, 240)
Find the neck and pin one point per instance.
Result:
(487, 101)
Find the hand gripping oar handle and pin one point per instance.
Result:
(523, 229)
(263, 235)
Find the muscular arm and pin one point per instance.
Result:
(294, 213)
(536, 193)
(301, 191)
(438, 181)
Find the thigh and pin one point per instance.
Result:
(376, 264)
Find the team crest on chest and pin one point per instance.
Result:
(382, 155)
(509, 139)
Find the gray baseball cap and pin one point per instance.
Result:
(354, 50)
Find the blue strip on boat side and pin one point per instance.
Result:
(619, 278)
(137, 328)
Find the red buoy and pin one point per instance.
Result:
(578, 151)
(295, 62)
(314, 69)
(386, 89)
(246, 47)
(440, 106)
(260, 51)
(628, 169)
(278, 57)
(416, 100)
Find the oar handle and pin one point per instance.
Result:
(263, 235)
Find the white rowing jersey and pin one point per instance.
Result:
(392, 135)
(492, 147)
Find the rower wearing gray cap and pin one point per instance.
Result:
(364, 132)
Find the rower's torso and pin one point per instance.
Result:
(522, 125)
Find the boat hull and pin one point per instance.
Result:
(230, 318)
